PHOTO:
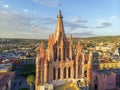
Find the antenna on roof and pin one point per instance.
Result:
(60, 4)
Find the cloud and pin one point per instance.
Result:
(13, 20)
(67, 23)
(25, 10)
(45, 21)
(115, 17)
(74, 25)
(76, 22)
(77, 19)
(6, 6)
(47, 2)
(103, 24)
(83, 34)
(15, 24)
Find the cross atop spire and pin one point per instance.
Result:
(60, 14)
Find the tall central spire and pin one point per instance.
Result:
(59, 33)
(60, 14)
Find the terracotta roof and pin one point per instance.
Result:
(5, 77)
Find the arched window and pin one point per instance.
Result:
(67, 52)
(59, 73)
(85, 74)
(54, 73)
(69, 72)
(64, 74)
(79, 69)
(55, 53)
(64, 54)
(59, 54)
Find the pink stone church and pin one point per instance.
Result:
(60, 62)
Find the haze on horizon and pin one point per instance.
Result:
(36, 19)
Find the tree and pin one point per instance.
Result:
(66, 85)
(31, 81)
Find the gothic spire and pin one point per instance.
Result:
(70, 47)
(89, 67)
(42, 49)
(60, 14)
(79, 47)
(59, 33)
(70, 37)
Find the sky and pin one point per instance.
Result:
(36, 19)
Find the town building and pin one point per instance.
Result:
(6, 80)
(24, 59)
(7, 65)
(106, 79)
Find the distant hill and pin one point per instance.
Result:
(92, 41)
(101, 38)
(87, 38)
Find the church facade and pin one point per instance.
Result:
(59, 62)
